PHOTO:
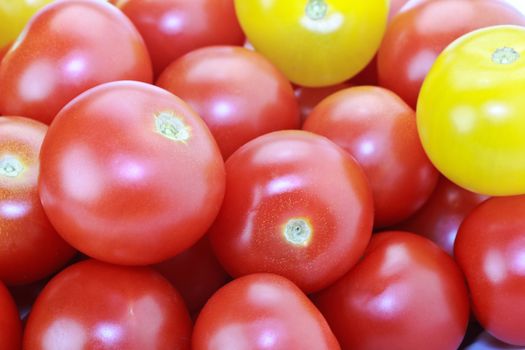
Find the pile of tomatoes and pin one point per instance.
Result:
(262, 174)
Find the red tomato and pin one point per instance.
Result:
(395, 6)
(377, 128)
(440, 217)
(10, 327)
(30, 248)
(173, 28)
(295, 205)
(94, 305)
(308, 98)
(490, 249)
(239, 93)
(417, 35)
(67, 48)
(130, 174)
(261, 311)
(195, 273)
(405, 294)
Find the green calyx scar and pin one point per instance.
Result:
(298, 231)
(316, 9)
(172, 127)
(10, 166)
(505, 55)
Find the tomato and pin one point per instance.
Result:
(417, 35)
(130, 174)
(14, 15)
(94, 305)
(10, 326)
(30, 248)
(469, 111)
(295, 205)
(379, 130)
(261, 311)
(405, 293)
(238, 93)
(440, 217)
(173, 28)
(3, 52)
(67, 48)
(198, 283)
(490, 248)
(308, 98)
(315, 42)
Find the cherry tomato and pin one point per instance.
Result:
(14, 15)
(315, 42)
(198, 283)
(130, 174)
(3, 52)
(440, 217)
(10, 326)
(296, 205)
(377, 128)
(30, 248)
(490, 249)
(261, 311)
(308, 98)
(67, 48)
(173, 28)
(238, 93)
(469, 111)
(417, 35)
(94, 305)
(405, 293)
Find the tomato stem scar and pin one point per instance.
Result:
(172, 127)
(316, 9)
(505, 55)
(10, 166)
(298, 231)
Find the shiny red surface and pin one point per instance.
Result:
(405, 294)
(261, 311)
(238, 92)
(289, 175)
(490, 249)
(176, 27)
(379, 130)
(10, 326)
(30, 248)
(66, 49)
(94, 305)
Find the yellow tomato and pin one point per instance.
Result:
(14, 15)
(471, 111)
(315, 42)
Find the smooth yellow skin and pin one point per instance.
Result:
(471, 112)
(14, 14)
(315, 52)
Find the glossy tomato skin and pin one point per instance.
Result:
(95, 305)
(439, 219)
(296, 205)
(239, 93)
(14, 15)
(405, 293)
(130, 174)
(30, 248)
(195, 273)
(489, 249)
(308, 98)
(261, 311)
(67, 48)
(379, 130)
(315, 42)
(10, 326)
(174, 28)
(417, 35)
(469, 105)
